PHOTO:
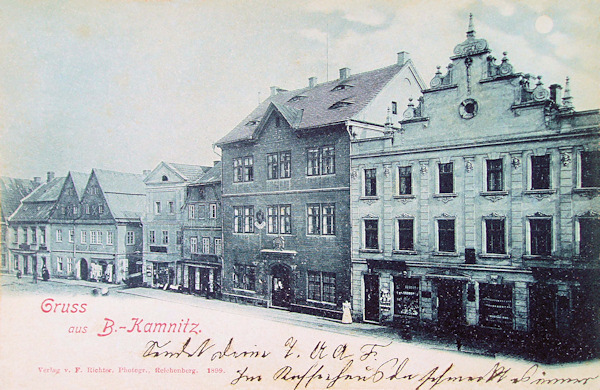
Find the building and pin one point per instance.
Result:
(201, 266)
(30, 228)
(166, 213)
(11, 193)
(483, 209)
(286, 179)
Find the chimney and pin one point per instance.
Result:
(312, 81)
(403, 57)
(49, 176)
(555, 93)
(274, 90)
(215, 162)
(37, 180)
(344, 73)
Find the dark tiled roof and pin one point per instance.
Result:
(47, 192)
(38, 205)
(191, 172)
(11, 193)
(80, 181)
(213, 175)
(313, 107)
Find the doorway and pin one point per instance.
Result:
(281, 286)
(83, 269)
(372, 298)
(450, 304)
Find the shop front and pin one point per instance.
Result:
(201, 275)
(160, 273)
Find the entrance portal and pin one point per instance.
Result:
(372, 298)
(83, 269)
(281, 287)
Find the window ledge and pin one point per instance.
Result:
(321, 302)
(404, 252)
(445, 195)
(405, 196)
(321, 175)
(450, 254)
(369, 198)
(321, 235)
(587, 191)
(244, 290)
(494, 256)
(240, 233)
(540, 191)
(493, 193)
(538, 257)
(365, 250)
(280, 178)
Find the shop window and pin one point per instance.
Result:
(590, 169)
(406, 297)
(495, 306)
(371, 234)
(321, 286)
(540, 236)
(494, 175)
(405, 180)
(540, 172)
(446, 236)
(446, 178)
(589, 238)
(244, 277)
(405, 235)
(370, 182)
(495, 236)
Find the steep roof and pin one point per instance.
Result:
(327, 103)
(80, 181)
(125, 193)
(38, 205)
(11, 193)
(213, 175)
(190, 172)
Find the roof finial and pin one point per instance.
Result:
(567, 99)
(471, 29)
(388, 119)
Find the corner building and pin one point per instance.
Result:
(482, 211)
(286, 188)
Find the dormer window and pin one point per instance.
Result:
(296, 98)
(341, 87)
(165, 178)
(252, 122)
(341, 103)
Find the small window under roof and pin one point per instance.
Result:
(341, 87)
(252, 122)
(341, 103)
(297, 98)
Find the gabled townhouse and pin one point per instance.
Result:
(163, 221)
(11, 192)
(482, 212)
(286, 187)
(30, 229)
(202, 261)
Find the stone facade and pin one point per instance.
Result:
(481, 210)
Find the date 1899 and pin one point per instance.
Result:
(216, 371)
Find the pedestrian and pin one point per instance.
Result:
(45, 273)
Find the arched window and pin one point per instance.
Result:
(165, 178)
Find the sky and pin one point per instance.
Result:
(124, 85)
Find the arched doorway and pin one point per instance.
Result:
(83, 269)
(281, 285)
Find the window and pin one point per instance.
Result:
(213, 210)
(495, 236)
(157, 208)
(165, 237)
(321, 286)
(244, 277)
(279, 165)
(320, 219)
(75, 210)
(59, 264)
(590, 169)
(69, 265)
(406, 296)
(194, 244)
(179, 237)
(371, 234)
(43, 236)
(83, 237)
(87, 208)
(206, 245)
(218, 247)
(494, 175)
(165, 178)
(279, 219)
(130, 238)
(192, 211)
(405, 235)
(589, 238)
(446, 178)
(109, 238)
(172, 207)
(237, 170)
(446, 235)
(93, 237)
(405, 180)
(100, 209)
(541, 236)
(152, 237)
(248, 168)
(59, 235)
(540, 172)
(371, 182)
(71, 235)
(495, 305)
(31, 236)
(243, 219)
(99, 241)
(394, 108)
(320, 161)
